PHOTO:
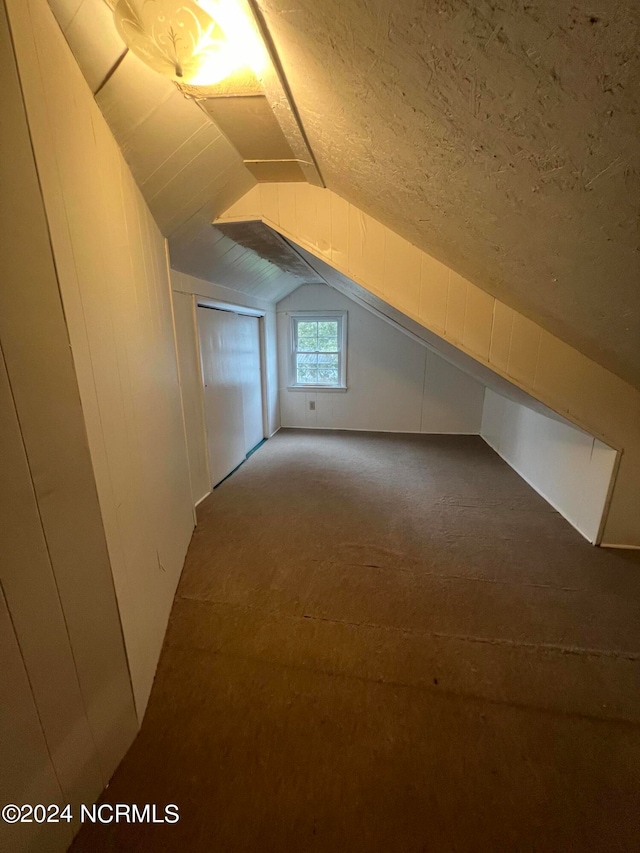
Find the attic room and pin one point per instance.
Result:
(320, 377)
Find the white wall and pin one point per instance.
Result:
(187, 291)
(568, 467)
(113, 277)
(394, 383)
(67, 706)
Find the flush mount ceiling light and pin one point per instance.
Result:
(186, 40)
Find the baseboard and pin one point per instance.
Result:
(385, 431)
(620, 547)
(203, 498)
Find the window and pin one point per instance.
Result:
(319, 349)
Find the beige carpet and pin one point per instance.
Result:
(390, 643)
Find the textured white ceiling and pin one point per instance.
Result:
(501, 137)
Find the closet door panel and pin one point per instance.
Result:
(222, 373)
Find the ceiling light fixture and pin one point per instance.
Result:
(197, 42)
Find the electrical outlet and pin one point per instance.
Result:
(312, 405)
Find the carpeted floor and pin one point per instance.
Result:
(390, 643)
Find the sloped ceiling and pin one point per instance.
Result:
(247, 257)
(184, 165)
(501, 137)
(192, 159)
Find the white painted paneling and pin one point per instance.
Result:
(249, 331)
(113, 277)
(452, 401)
(191, 388)
(569, 468)
(394, 383)
(94, 40)
(27, 774)
(456, 308)
(65, 10)
(55, 573)
(29, 583)
(222, 372)
(206, 253)
(184, 166)
(402, 269)
(434, 289)
(220, 290)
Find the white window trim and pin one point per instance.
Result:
(342, 357)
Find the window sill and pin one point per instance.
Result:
(316, 387)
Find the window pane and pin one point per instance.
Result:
(327, 344)
(307, 375)
(328, 359)
(307, 344)
(307, 329)
(328, 329)
(328, 376)
(306, 358)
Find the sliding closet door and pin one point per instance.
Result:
(251, 381)
(222, 373)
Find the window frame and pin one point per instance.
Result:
(318, 317)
